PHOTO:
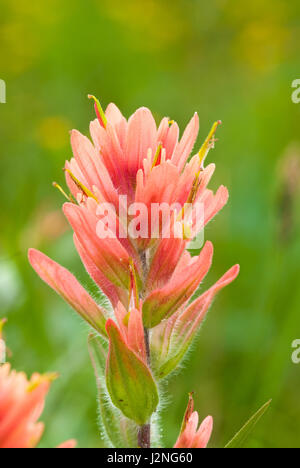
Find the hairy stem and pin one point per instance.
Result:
(144, 433)
(144, 436)
(147, 344)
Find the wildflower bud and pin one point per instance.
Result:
(189, 436)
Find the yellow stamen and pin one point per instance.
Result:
(126, 319)
(186, 231)
(82, 187)
(194, 190)
(209, 142)
(133, 284)
(171, 122)
(55, 184)
(157, 154)
(99, 111)
(36, 382)
(192, 195)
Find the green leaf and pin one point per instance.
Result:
(240, 437)
(118, 431)
(129, 381)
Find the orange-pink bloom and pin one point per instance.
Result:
(190, 435)
(148, 165)
(21, 405)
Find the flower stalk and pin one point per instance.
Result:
(144, 433)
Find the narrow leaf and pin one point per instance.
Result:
(240, 437)
(129, 381)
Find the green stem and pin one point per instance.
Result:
(144, 433)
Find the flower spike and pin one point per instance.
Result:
(139, 201)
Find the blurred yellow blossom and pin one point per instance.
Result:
(262, 45)
(22, 32)
(157, 24)
(53, 133)
(262, 32)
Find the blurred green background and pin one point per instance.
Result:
(225, 59)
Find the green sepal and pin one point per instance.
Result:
(128, 379)
(117, 430)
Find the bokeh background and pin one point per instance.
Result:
(226, 60)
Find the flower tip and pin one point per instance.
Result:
(51, 376)
(209, 419)
(208, 424)
(32, 255)
(99, 111)
(196, 117)
(208, 143)
(40, 379)
(207, 427)
(209, 246)
(61, 190)
(69, 444)
(109, 325)
(68, 209)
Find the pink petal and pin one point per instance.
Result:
(189, 437)
(108, 147)
(203, 434)
(119, 123)
(186, 144)
(164, 262)
(68, 444)
(91, 166)
(113, 293)
(141, 135)
(188, 321)
(213, 203)
(162, 303)
(168, 136)
(67, 286)
(108, 254)
(20, 410)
